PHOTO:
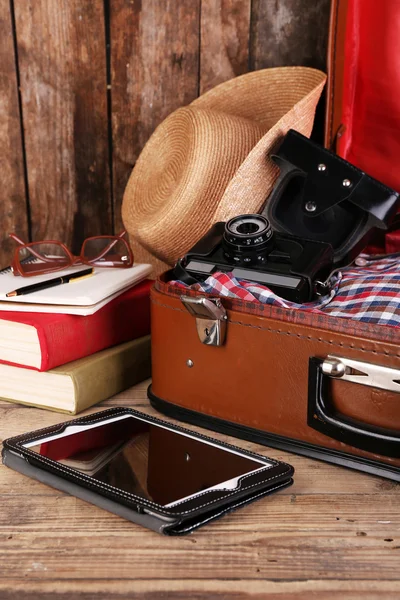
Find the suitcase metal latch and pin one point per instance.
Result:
(210, 317)
(356, 371)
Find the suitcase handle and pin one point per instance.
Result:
(323, 417)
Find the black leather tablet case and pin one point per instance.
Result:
(176, 520)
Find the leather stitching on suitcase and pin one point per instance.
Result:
(292, 334)
(303, 318)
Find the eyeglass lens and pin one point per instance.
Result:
(106, 252)
(41, 257)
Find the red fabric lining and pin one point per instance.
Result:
(371, 104)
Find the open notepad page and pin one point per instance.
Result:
(84, 296)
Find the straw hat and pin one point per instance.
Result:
(208, 161)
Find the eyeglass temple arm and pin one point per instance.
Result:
(16, 239)
(109, 246)
(41, 257)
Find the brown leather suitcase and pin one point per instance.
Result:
(312, 384)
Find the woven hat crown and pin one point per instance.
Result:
(209, 161)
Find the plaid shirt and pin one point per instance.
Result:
(367, 291)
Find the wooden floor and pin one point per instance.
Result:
(334, 534)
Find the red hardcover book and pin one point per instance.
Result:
(44, 341)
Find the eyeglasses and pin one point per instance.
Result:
(38, 258)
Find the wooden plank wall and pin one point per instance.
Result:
(84, 84)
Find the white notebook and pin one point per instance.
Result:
(82, 297)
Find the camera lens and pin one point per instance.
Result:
(247, 239)
(248, 228)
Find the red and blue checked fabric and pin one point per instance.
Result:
(367, 291)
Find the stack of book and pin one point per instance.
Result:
(68, 347)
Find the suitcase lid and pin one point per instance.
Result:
(363, 107)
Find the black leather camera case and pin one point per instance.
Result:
(320, 196)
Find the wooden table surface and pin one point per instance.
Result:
(334, 534)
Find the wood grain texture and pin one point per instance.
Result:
(225, 31)
(62, 60)
(334, 534)
(154, 70)
(13, 211)
(289, 32)
(167, 589)
(161, 56)
(72, 539)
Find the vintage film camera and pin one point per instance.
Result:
(293, 268)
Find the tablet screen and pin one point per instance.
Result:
(147, 459)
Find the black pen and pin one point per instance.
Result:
(36, 287)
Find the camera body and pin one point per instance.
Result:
(291, 267)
